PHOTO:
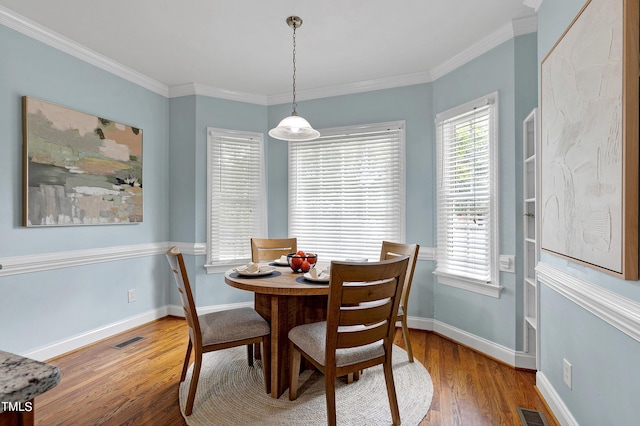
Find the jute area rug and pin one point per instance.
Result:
(232, 393)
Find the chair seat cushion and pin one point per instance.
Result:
(311, 338)
(232, 325)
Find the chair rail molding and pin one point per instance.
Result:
(46, 261)
(620, 312)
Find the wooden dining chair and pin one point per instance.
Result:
(217, 330)
(272, 248)
(362, 307)
(392, 250)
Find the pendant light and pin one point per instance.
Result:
(294, 127)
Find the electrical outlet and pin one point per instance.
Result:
(567, 373)
(131, 295)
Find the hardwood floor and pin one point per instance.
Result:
(138, 385)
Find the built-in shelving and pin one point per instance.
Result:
(530, 234)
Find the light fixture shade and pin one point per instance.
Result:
(294, 128)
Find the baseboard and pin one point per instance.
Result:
(480, 344)
(554, 401)
(472, 341)
(508, 356)
(95, 335)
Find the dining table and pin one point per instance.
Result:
(285, 299)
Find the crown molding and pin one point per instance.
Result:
(534, 4)
(507, 32)
(216, 92)
(49, 37)
(351, 88)
(45, 35)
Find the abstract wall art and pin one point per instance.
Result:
(589, 140)
(79, 169)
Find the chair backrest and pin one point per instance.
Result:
(176, 261)
(272, 248)
(363, 303)
(392, 250)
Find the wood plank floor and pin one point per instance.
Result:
(138, 385)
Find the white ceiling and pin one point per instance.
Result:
(245, 45)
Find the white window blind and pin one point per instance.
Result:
(347, 191)
(236, 194)
(467, 196)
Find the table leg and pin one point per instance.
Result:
(284, 313)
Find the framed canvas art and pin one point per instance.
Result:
(79, 169)
(589, 140)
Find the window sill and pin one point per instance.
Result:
(469, 285)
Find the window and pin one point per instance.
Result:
(467, 155)
(347, 191)
(236, 196)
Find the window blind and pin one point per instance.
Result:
(347, 191)
(467, 243)
(236, 189)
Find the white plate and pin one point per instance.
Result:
(258, 273)
(277, 262)
(322, 278)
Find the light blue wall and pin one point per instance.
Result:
(175, 188)
(412, 104)
(37, 309)
(507, 69)
(211, 289)
(605, 367)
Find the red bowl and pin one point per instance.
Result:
(297, 263)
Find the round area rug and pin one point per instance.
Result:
(232, 393)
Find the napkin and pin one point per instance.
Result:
(283, 259)
(252, 268)
(313, 273)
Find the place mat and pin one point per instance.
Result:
(271, 275)
(232, 393)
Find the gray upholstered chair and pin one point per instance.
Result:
(389, 251)
(361, 312)
(217, 330)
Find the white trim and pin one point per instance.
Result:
(534, 4)
(468, 284)
(351, 88)
(616, 310)
(46, 261)
(480, 344)
(51, 38)
(95, 335)
(501, 35)
(513, 358)
(553, 400)
(215, 92)
(427, 253)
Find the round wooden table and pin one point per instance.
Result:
(285, 300)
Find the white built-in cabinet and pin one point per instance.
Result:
(530, 234)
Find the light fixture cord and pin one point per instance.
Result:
(295, 104)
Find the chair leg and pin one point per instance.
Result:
(266, 361)
(250, 354)
(391, 392)
(407, 340)
(185, 366)
(256, 351)
(194, 382)
(294, 371)
(330, 385)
